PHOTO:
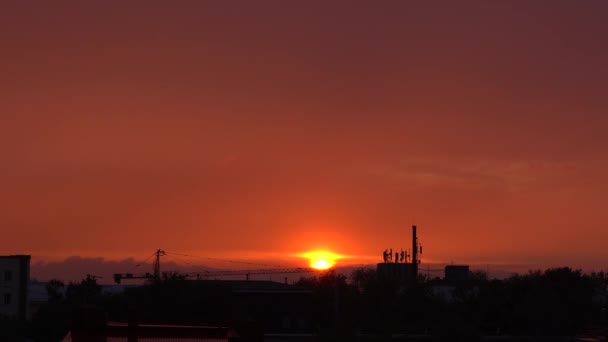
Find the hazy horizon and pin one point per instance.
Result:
(76, 268)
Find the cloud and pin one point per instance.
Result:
(510, 175)
(76, 268)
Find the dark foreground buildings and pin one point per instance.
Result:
(205, 310)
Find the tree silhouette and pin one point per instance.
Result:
(55, 290)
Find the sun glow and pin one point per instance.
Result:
(321, 260)
(320, 264)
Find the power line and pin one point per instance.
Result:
(225, 260)
(143, 262)
(181, 260)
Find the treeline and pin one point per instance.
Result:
(556, 302)
(52, 321)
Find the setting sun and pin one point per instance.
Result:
(321, 260)
(321, 264)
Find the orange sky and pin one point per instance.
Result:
(267, 129)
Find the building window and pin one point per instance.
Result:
(8, 276)
(7, 298)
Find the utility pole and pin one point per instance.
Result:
(158, 254)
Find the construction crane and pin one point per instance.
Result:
(118, 277)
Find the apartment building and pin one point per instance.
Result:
(14, 279)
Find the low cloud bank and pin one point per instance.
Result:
(76, 268)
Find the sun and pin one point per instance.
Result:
(320, 264)
(321, 260)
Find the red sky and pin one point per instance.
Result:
(252, 130)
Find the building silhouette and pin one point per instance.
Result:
(456, 274)
(14, 279)
(402, 272)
